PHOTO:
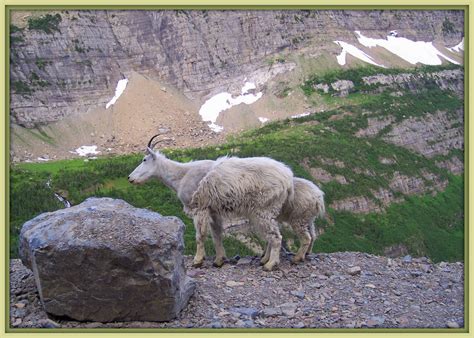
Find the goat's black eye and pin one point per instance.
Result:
(144, 159)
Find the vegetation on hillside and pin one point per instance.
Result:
(430, 224)
(47, 23)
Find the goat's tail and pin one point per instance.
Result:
(320, 206)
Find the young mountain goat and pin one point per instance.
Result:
(255, 188)
(300, 213)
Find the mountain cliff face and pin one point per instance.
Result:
(69, 62)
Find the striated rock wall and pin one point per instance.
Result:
(430, 135)
(449, 79)
(75, 68)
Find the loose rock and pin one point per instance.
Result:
(106, 254)
(452, 325)
(398, 300)
(356, 270)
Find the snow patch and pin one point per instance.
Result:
(43, 159)
(263, 119)
(354, 51)
(458, 48)
(247, 86)
(300, 115)
(211, 109)
(411, 51)
(118, 91)
(85, 150)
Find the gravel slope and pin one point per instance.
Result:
(338, 290)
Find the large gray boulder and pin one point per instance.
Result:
(104, 260)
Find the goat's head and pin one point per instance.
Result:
(147, 168)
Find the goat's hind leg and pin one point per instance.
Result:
(304, 236)
(271, 257)
(217, 231)
(312, 232)
(201, 220)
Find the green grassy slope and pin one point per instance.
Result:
(424, 224)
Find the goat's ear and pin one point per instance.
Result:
(151, 152)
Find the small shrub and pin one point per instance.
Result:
(15, 29)
(79, 49)
(448, 27)
(21, 87)
(48, 23)
(41, 63)
(16, 39)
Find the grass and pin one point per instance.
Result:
(425, 224)
(52, 167)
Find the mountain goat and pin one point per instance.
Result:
(304, 202)
(254, 188)
(301, 212)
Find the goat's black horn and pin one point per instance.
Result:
(151, 140)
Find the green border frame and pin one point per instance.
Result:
(465, 7)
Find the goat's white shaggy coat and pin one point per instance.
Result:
(254, 188)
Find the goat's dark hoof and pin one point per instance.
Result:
(268, 267)
(197, 264)
(295, 261)
(219, 263)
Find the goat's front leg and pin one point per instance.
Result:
(200, 224)
(217, 231)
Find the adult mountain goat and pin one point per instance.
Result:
(254, 188)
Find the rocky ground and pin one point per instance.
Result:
(338, 290)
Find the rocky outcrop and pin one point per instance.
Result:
(75, 66)
(453, 164)
(321, 175)
(375, 125)
(449, 79)
(406, 185)
(104, 260)
(430, 135)
(357, 205)
(342, 87)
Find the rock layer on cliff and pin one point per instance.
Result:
(75, 67)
